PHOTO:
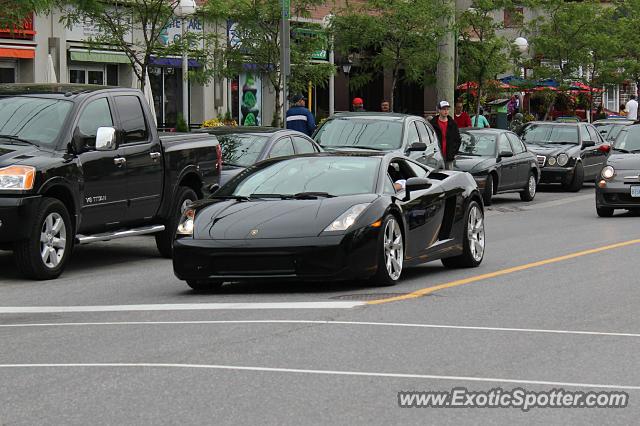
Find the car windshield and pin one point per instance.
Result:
(628, 139)
(360, 133)
(548, 133)
(34, 120)
(609, 131)
(241, 149)
(331, 175)
(482, 144)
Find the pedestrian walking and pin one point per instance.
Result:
(461, 117)
(632, 108)
(480, 120)
(448, 134)
(384, 106)
(358, 104)
(299, 117)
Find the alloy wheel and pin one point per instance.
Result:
(393, 249)
(475, 233)
(53, 240)
(532, 186)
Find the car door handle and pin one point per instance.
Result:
(119, 161)
(154, 155)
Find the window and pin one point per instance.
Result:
(419, 171)
(504, 145)
(412, 134)
(132, 120)
(388, 185)
(611, 96)
(281, 148)
(426, 135)
(77, 76)
(584, 134)
(96, 114)
(303, 146)
(7, 74)
(516, 143)
(594, 134)
(100, 75)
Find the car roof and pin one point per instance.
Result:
(387, 116)
(556, 123)
(621, 121)
(483, 130)
(54, 89)
(225, 130)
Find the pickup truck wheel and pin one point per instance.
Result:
(164, 239)
(44, 255)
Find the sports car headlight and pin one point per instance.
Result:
(185, 226)
(551, 161)
(608, 172)
(17, 178)
(563, 159)
(346, 219)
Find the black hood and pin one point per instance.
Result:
(624, 161)
(553, 148)
(259, 219)
(473, 163)
(16, 153)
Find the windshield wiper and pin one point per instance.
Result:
(312, 195)
(634, 150)
(469, 153)
(230, 197)
(225, 163)
(563, 142)
(621, 150)
(353, 146)
(17, 139)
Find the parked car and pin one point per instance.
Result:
(618, 186)
(80, 164)
(330, 216)
(610, 128)
(245, 146)
(499, 162)
(409, 135)
(567, 153)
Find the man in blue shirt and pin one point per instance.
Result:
(300, 118)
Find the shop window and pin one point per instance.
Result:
(95, 77)
(7, 75)
(112, 75)
(132, 119)
(77, 76)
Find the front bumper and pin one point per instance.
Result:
(617, 195)
(325, 258)
(561, 175)
(16, 216)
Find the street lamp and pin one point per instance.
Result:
(346, 66)
(185, 9)
(522, 45)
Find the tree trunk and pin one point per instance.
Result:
(277, 121)
(478, 104)
(394, 81)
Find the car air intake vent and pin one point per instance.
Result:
(542, 160)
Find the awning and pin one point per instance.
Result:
(104, 57)
(172, 62)
(7, 52)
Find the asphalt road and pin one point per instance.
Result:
(313, 354)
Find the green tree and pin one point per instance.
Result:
(390, 35)
(14, 11)
(256, 39)
(626, 18)
(483, 52)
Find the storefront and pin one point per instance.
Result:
(17, 53)
(165, 75)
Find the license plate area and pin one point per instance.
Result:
(635, 191)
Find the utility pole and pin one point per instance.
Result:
(285, 57)
(445, 73)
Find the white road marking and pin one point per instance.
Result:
(324, 372)
(178, 307)
(362, 323)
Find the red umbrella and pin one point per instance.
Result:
(583, 88)
(493, 83)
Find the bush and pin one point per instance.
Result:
(181, 124)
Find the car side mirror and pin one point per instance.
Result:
(587, 144)
(604, 148)
(417, 146)
(504, 154)
(415, 184)
(105, 139)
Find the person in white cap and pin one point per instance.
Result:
(448, 134)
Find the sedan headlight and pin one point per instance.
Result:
(346, 219)
(551, 161)
(563, 159)
(608, 172)
(185, 226)
(17, 178)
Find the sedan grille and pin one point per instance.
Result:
(541, 160)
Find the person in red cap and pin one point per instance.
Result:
(358, 104)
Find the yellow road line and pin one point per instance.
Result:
(429, 290)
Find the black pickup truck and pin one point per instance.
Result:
(80, 164)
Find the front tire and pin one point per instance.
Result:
(529, 192)
(44, 255)
(578, 179)
(473, 240)
(165, 239)
(390, 253)
(604, 211)
(488, 190)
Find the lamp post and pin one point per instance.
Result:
(522, 45)
(185, 9)
(326, 23)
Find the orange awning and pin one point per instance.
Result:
(17, 53)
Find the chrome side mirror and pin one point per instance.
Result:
(106, 139)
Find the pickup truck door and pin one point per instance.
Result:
(103, 203)
(142, 152)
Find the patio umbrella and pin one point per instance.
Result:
(50, 75)
(583, 88)
(148, 93)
